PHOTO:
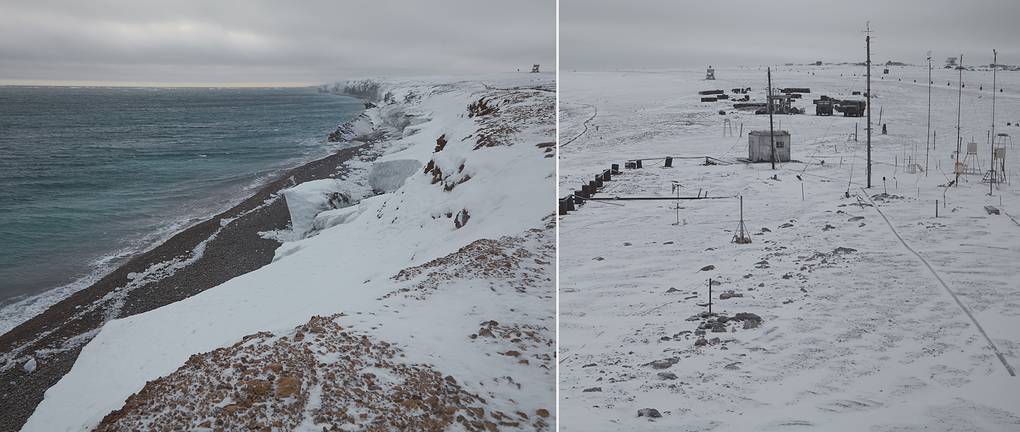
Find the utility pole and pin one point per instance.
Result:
(927, 144)
(991, 179)
(867, 40)
(772, 138)
(959, 110)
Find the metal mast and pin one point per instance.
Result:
(991, 180)
(867, 41)
(772, 138)
(959, 110)
(927, 144)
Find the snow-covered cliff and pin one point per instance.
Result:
(424, 302)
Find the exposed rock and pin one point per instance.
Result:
(666, 375)
(287, 386)
(663, 363)
(592, 390)
(750, 320)
(729, 294)
(395, 396)
(744, 316)
(708, 268)
(649, 412)
(462, 219)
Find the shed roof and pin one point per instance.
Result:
(766, 133)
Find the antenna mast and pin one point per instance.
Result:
(867, 40)
(927, 144)
(772, 138)
(991, 179)
(959, 107)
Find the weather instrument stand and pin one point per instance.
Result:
(970, 165)
(741, 237)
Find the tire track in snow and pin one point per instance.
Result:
(944, 285)
(585, 127)
(1011, 217)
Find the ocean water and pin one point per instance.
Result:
(89, 176)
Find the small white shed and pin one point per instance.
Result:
(759, 146)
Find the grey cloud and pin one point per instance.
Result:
(269, 41)
(613, 34)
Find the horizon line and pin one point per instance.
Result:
(147, 84)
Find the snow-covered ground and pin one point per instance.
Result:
(865, 303)
(453, 270)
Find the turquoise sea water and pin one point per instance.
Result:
(89, 176)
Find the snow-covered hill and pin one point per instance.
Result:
(425, 302)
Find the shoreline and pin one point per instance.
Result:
(100, 265)
(199, 257)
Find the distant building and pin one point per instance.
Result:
(534, 68)
(710, 73)
(950, 63)
(759, 146)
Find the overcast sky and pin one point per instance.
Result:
(650, 34)
(268, 42)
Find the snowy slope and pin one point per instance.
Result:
(499, 191)
(856, 331)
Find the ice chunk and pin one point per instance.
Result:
(389, 176)
(308, 199)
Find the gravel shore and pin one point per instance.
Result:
(235, 249)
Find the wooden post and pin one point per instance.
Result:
(709, 296)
